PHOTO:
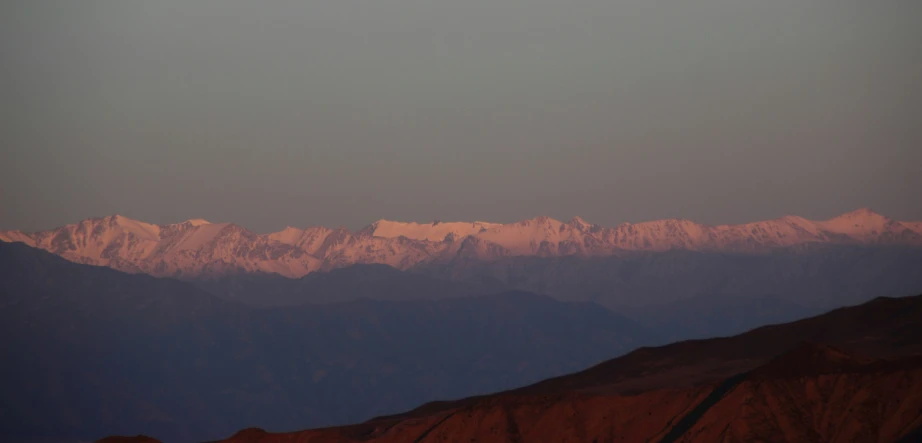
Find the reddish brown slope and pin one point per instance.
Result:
(883, 327)
(532, 418)
(857, 400)
(135, 439)
(784, 389)
(847, 398)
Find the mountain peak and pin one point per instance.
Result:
(540, 220)
(859, 220)
(860, 214)
(796, 219)
(139, 228)
(197, 222)
(579, 223)
(435, 231)
(114, 219)
(191, 223)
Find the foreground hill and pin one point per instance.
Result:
(857, 378)
(89, 351)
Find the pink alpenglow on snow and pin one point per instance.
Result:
(198, 247)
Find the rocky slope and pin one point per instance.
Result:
(765, 385)
(198, 248)
(878, 404)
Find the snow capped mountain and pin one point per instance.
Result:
(201, 248)
(435, 231)
(914, 226)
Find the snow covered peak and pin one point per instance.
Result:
(197, 222)
(435, 231)
(580, 224)
(143, 230)
(913, 226)
(795, 220)
(858, 221)
(541, 220)
(289, 235)
(188, 224)
(859, 214)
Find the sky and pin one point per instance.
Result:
(300, 113)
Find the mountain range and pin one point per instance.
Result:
(191, 331)
(197, 248)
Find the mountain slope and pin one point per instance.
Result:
(883, 327)
(90, 351)
(765, 385)
(199, 248)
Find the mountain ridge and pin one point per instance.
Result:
(197, 247)
(92, 350)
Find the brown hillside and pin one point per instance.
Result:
(851, 375)
(861, 400)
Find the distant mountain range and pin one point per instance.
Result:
(197, 248)
(853, 374)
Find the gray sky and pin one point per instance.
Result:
(277, 113)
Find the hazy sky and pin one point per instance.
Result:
(274, 113)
